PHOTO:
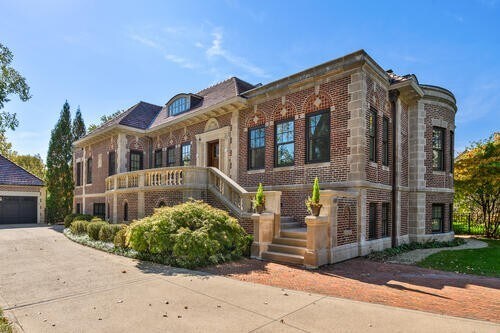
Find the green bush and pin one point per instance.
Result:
(94, 227)
(73, 217)
(108, 232)
(96, 219)
(189, 235)
(79, 227)
(120, 239)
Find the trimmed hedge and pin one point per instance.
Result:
(189, 235)
(94, 227)
(73, 217)
(79, 227)
(108, 232)
(120, 239)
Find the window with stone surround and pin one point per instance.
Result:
(171, 156)
(318, 137)
(256, 148)
(111, 163)
(438, 148)
(372, 134)
(158, 158)
(136, 160)
(186, 153)
(372, 220)
(89, 170)
(385, 219)
(437, 217)
(385, 141)
(284, 150)
(452, 152)
(79, 174)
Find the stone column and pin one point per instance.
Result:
(356, 124)
(115, 208)
(317, 241)
(263, 233)
(121, 153)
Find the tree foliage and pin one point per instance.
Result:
(477, 181)
(59, 175)
(104, 119)
(78, 128)
(11, 82)
(31, 163)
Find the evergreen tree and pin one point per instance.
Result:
(59, 174)
(78, 126)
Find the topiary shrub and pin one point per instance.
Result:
(189, 235)
(120, 239)
(108, 232)
(94, 227)
(79, 227)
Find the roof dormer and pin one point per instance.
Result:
(181, 103)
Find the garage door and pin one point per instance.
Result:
(18, 210)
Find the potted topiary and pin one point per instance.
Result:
(312, 202)
(259, 201)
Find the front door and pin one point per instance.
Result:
(213, 154)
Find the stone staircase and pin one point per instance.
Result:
(290, 246)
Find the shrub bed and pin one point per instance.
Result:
(79, 227)
(94, 227)
(73, 217)
(189, 235)
(108, 232)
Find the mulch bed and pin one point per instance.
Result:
(404, 286)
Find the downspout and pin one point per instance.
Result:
(393, 97)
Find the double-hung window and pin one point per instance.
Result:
(372, 134)
(111, 163)
(452, 148)
(385, 141)
(158, 158)
(437, 217)
(438, 148)
(136, 160)
(385, 219)
(89, 170)
(186, 153)
(79, 174)
(318, 137)
(100, 209)
(372, 220)
(284, 143)
(171, 156)
(256, 148)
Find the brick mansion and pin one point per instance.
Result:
(380, 143)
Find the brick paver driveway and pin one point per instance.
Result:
(360, 279)
(50, 284)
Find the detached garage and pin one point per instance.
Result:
(22, 195)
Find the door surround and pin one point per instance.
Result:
(222, 134)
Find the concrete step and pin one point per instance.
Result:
(280, 248)
(289, 225)
(300, 233)
(290, 241)
(283, 257)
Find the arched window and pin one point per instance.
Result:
(125, 212)
(179, 105)
(161, 204)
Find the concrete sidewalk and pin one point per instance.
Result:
(50, 284)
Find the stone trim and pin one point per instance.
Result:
(356, 125)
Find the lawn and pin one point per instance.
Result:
(485, 261)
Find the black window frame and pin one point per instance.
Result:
(99, 209)
(89, 171)
(78, 174)
(111, 163)
(251, 150)
(441, 218)
(171, 163)
(183, 161)
(452, 152)
(372, 220)
(385, 141)
(125, 211)
(277, 145)
(438, 152)
(78, 208)
(372, 135)
(386, 218)
(310, 160)
(160, 164)
(140, 153)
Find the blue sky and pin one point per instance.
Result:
(108, 55)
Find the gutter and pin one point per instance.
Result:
(393, 97)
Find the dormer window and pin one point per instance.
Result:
(178, 106)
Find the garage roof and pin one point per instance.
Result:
(13, 174)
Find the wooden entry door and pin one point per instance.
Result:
(213, 154)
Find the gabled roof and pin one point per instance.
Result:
(210, 96)
(13, 174)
